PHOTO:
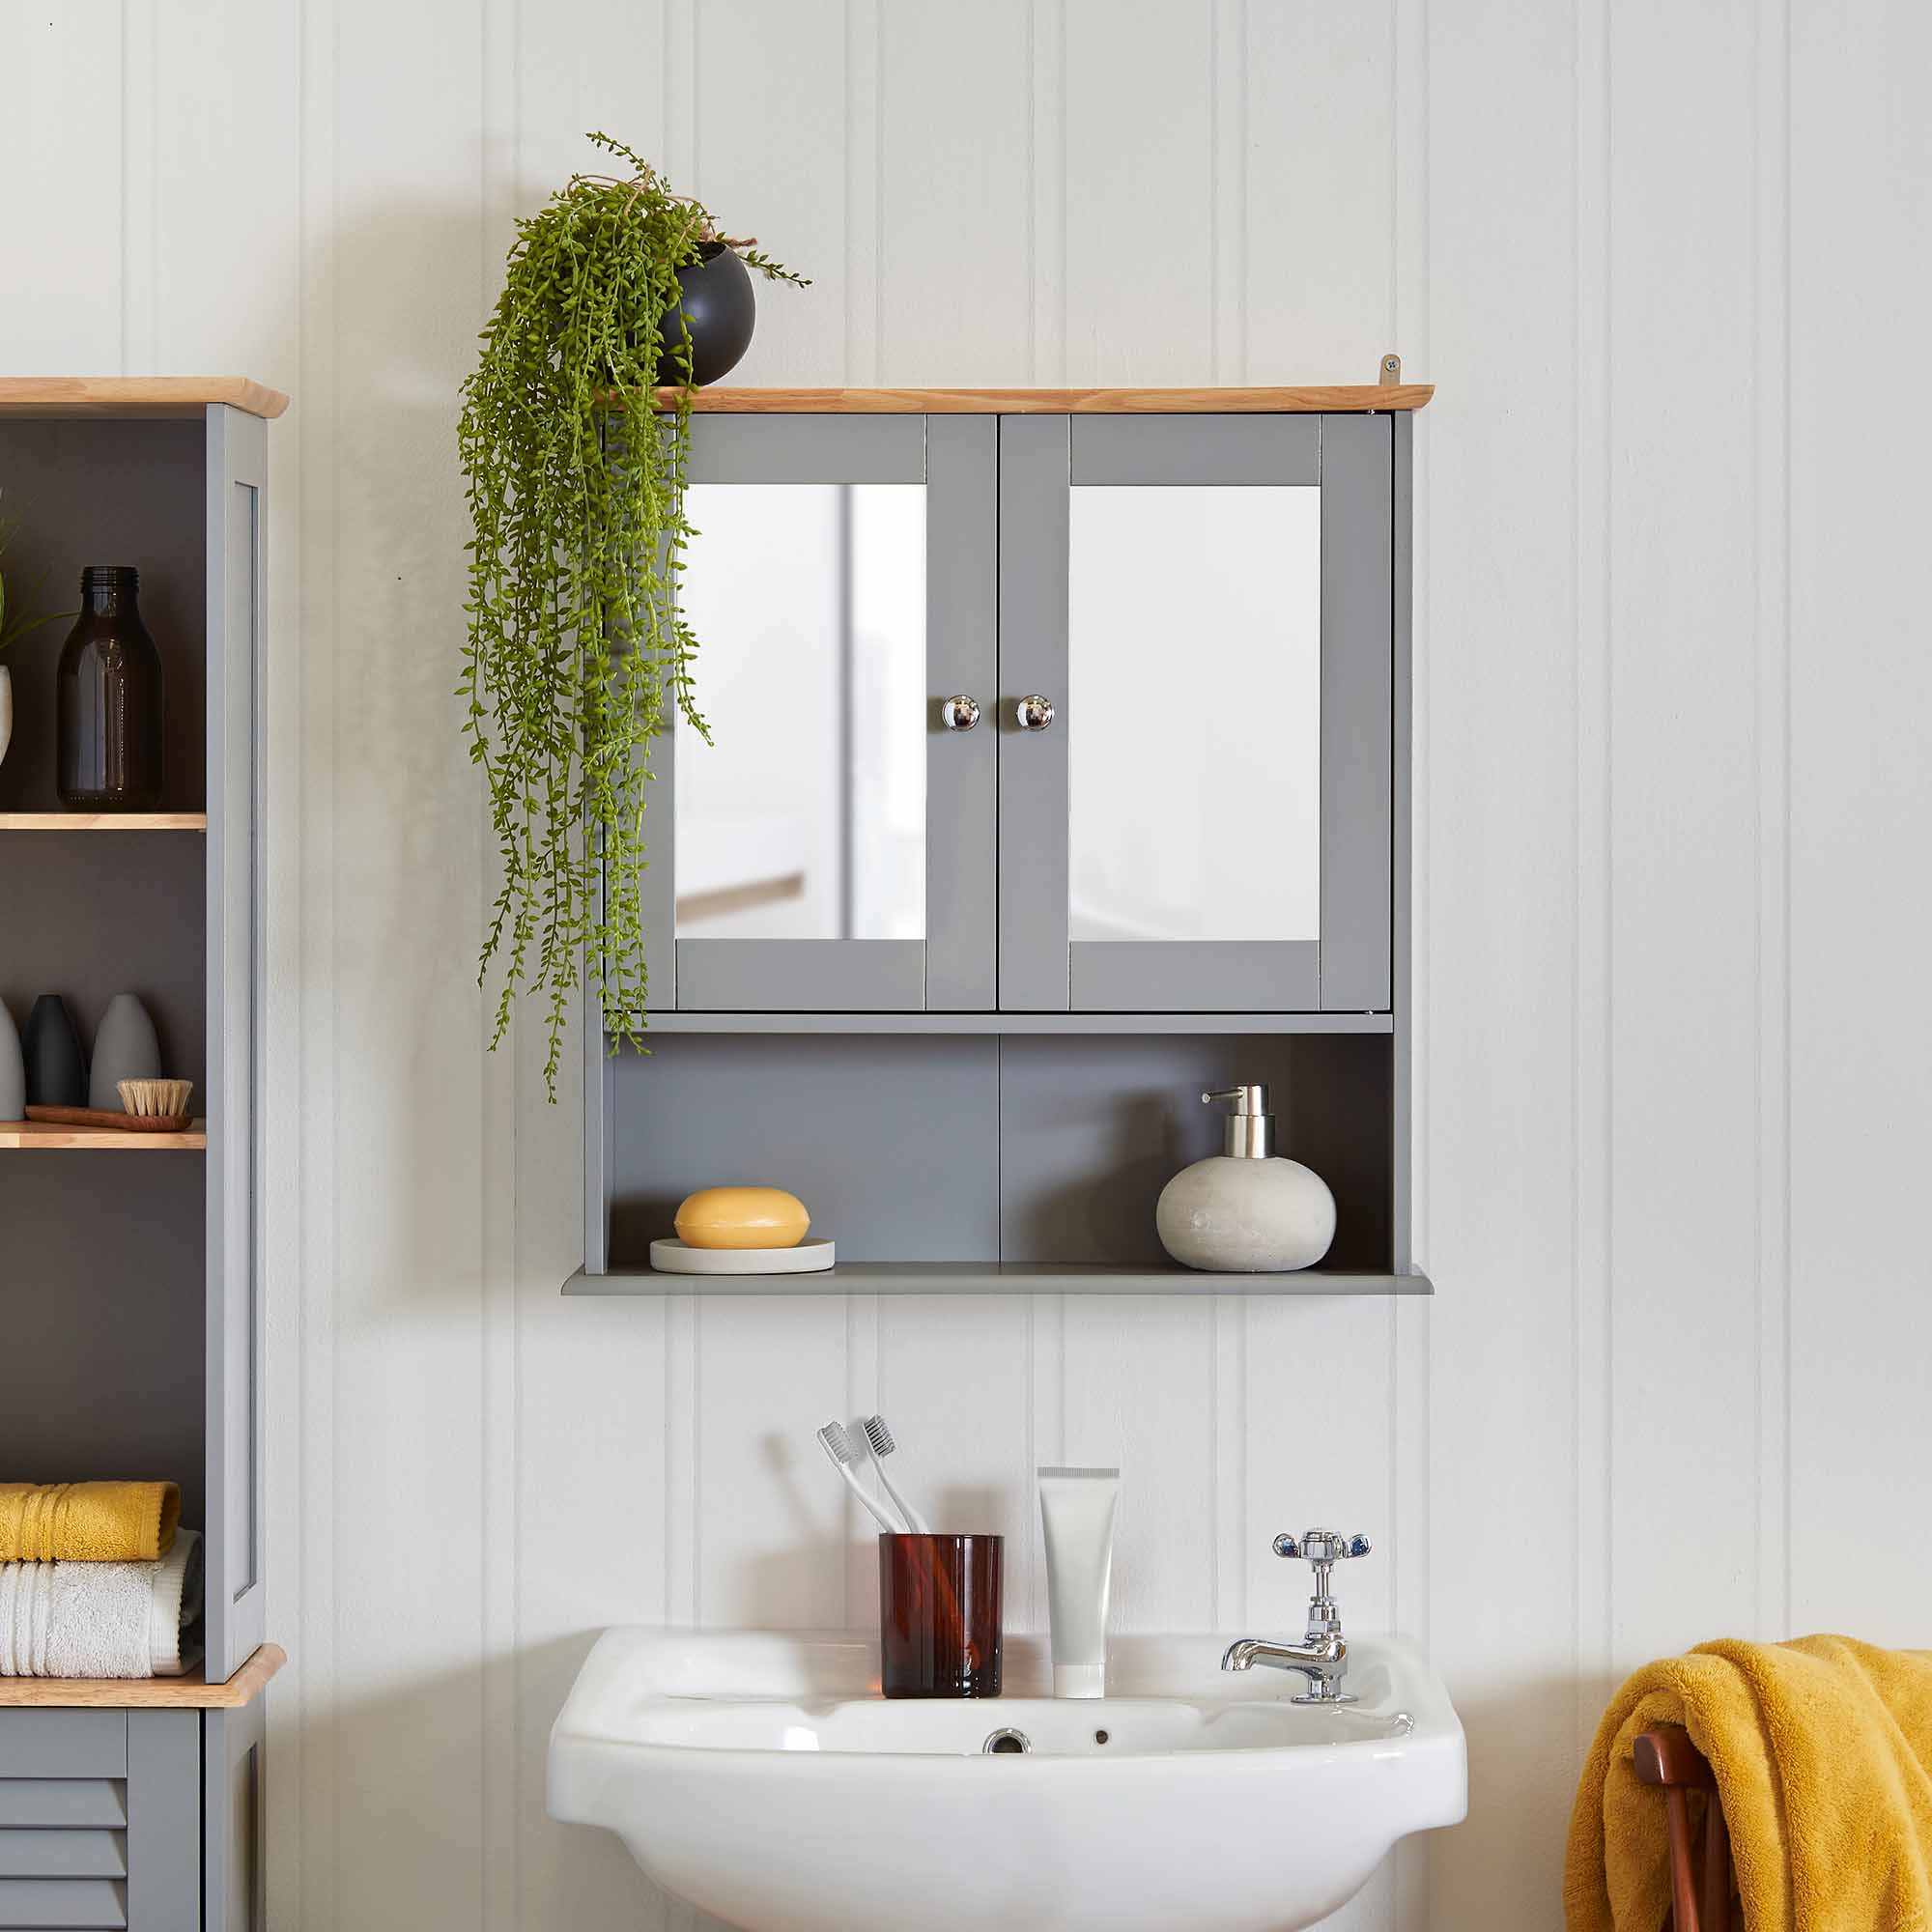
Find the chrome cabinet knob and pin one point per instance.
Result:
(1033, 712)
(1321, 1546)
(959, 713)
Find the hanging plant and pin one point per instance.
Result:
(575, 433)
(16, 620)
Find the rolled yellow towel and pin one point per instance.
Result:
(1822, 1755)
(88, 1522)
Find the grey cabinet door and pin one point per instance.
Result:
(101, 1819)
(833, 847)
(232, 1750)
(237, 523)
(1204, 822)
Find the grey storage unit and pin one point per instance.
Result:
(1153, 687)
(134, 1266)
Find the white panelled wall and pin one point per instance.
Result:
(1665, 262)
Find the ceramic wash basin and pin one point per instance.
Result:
(760, 1777)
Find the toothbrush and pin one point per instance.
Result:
(879, 1439)
(838, 1447)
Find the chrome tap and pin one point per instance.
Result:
(1322, 1654)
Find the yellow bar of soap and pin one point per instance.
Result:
(742, 1217)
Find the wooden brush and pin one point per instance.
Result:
(149, 1098)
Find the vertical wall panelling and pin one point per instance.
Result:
(1137, 83)
(1860, 793)
(1683, 1117)
(304, 1735)
(500, 1447)
(1770, 426)
(1499, 727)
(410, 1522)
(1669, 1092)
(1046, 162)
(61, 158)
(952, 187)
(1320, 153)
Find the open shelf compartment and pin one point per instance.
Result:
(987, 1164)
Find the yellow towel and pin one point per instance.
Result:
(1822, 1755)
(88, 1522)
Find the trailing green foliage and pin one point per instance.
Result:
(16, 623)
(576, 646)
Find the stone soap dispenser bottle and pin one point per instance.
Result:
(1246, 1210)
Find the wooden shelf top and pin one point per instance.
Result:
(103, 821)
(193, 1692)
(43, 1137)
(134, 395)
(1326, 397)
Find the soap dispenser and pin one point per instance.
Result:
(1246, 1209)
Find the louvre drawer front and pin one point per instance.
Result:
(63, 1804)
(63, 1854)
(44, 1904)
(63, 1743)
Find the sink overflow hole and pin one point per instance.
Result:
(1007, 1744)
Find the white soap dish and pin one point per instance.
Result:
(672, 1256)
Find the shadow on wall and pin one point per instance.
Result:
(384, 583)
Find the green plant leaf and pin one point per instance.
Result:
(576, 658)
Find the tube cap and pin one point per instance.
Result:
(1079, 1679)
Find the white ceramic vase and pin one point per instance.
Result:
(6, 711)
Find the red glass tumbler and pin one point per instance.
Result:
(939, 1615)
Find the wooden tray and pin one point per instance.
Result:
(100, 1117)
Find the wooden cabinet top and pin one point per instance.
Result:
(134, 395)
(190, 395)
(1331, 397)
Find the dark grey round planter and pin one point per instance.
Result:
(720, 310)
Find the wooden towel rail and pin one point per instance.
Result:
(1667, 1758)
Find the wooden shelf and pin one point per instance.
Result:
(193, 1692)
(1060, 1026)
(134, 395)
(103, 821)
(990, 1278)
(43, 1137)
(1328, 398)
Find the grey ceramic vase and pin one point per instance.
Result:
(125, 1048)
(56, 1071)
(13, 1070)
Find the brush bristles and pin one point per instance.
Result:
(879, 1435)
(155, 1099)
(834, 1438)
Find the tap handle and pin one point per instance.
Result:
(1320, 1545)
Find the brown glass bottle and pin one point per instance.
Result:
(109, 701)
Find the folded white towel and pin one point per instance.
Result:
(100, 1619)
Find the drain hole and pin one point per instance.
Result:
(1007, 1744)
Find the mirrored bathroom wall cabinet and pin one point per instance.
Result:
(1060, 774)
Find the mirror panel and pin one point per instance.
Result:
(1194, 643)
(805, 817)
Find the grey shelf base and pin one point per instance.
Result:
(990, 1278)
(1060, 1025)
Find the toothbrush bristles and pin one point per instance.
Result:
(834, 1438)
(879, 1435)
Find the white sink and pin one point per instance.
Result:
(760, 1777)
